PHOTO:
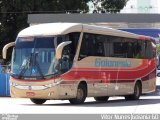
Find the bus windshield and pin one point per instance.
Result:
(34, 57)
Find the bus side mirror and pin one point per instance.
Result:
(5, 48)
(59, 49)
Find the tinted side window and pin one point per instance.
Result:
(127, 48)
(100, 45)
(92, 45)
(139, 49)
(87, 46)
(150, 52)
(74, 37)
(119, 47)
(114, 46)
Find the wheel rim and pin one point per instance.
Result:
(80, 94)
(137, 91)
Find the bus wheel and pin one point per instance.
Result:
(81, 95)
(101, 99)
(136, 94)
(38, 101)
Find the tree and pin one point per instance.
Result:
(110, 6)
(158, 49)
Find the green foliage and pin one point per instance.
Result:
(158, 49)
(113, 6)
(109, 6)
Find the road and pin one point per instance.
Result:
(147, 104)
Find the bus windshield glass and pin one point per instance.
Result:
(34, 57)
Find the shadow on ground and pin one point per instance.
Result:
(144, 100)
(110, 103)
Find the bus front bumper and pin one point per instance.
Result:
(54, 91)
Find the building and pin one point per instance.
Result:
(142, 6)
(111, 20)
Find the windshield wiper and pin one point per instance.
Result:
(31, 63)
(36, 64)
(25, 65)
(52, 75)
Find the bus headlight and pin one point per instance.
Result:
(53, 84)
(36, 87)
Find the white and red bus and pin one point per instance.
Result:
(71, 61)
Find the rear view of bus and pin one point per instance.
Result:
(50, 61)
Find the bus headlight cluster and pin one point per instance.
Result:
(31, 87)
(53, 84)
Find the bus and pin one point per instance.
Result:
(72, 61)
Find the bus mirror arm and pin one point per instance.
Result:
(5, 48)
(59, 49)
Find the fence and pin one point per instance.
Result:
(4, 80)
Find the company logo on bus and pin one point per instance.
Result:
(114, 64)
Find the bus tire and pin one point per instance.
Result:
(81, 95)
(38, 101)
(101, 99)
(136, 94)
